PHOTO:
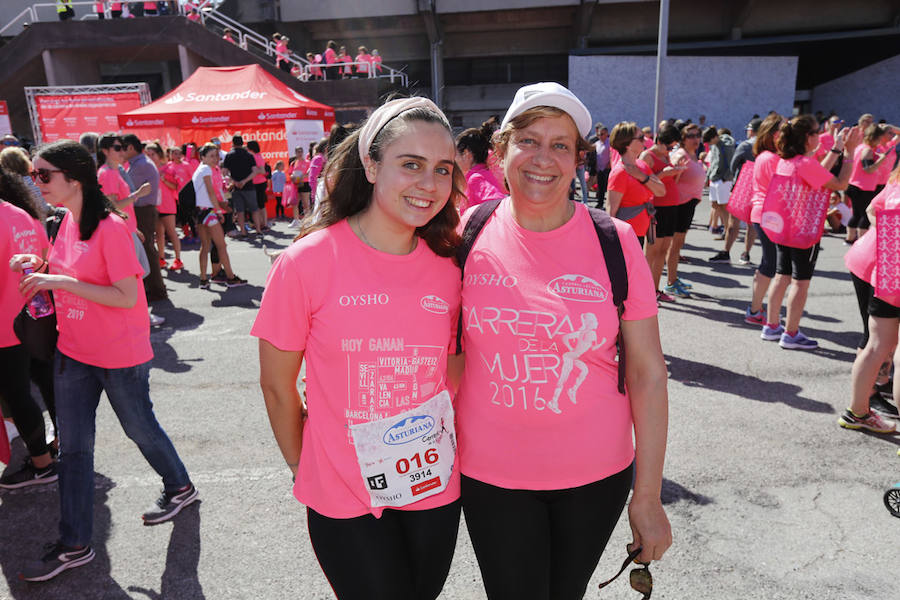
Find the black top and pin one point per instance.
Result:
(239, 162)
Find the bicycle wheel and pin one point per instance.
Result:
(892, 501)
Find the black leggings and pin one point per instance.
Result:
(542, 544)
(404, 555)
(15, 387)
(859, 200)
(769, 253)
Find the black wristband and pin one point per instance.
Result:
(836, 151)
(646, 179)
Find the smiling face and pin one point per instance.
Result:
(414, 178)
(540, 160)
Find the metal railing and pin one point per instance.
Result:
(246, 38)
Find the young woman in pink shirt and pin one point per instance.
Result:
(345, 60)
(864, 178)
(104, 345)
(364, 60)
(796, 145)
(368, 297)
(545, 436)
(472, 148)
(169, 186)
(332, 70)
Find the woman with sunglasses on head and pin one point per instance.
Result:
(168, 207)
(632, 184)
(796, 144)
(21, 232)
(104, 345)
(657, 158)
(368, 296)
(210, 214)
(545, 435)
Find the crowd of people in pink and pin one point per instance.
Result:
(447, 293)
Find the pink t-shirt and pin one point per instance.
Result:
(860, 258)
(261, 163)
(884, 171)
(168, 197)
(763, 169)
(183, 172)
(112, 184)
(807, 168)
(98, 335)
(539, 323)
(672, 197)
(690, 182)
(826, 143)
(633, 193)
(364, 61)
(19, 234)
(858, 177)
(375, 329)
(330, 56)
(481, 186)
(315, 168)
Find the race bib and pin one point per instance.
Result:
(409, 456)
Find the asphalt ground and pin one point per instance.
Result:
(767, 496)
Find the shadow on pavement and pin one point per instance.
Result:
(164, 356)
(30, 518)
(717, 280)
(180, 579)
(711, 377)
(673, 492)
(242, 297)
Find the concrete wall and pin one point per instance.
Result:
(728, 90)
(873, 89)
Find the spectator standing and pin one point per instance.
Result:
(100, 9)
(690, 190)
(601, 147)
(260, 185)
(742, 154)
(64, 10)
(151, 9)
(142, 170)
(332, 70)
(472, 146)
(115, 10)
(364, 62)
(240, 165)
(345, 60)
(632, 184)
(376, 61)
(279, 179)
(168, 206)
(721, 151)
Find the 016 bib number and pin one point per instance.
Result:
(409, 456)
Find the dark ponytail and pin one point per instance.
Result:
(77, 164)
(794, 134)
(13, 190)
(106, 141)
(477, 141)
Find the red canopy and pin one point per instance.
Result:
(217, 96)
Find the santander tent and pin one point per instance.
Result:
(225, 101)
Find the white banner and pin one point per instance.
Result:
(301, 133)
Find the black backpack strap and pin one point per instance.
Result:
(473, 227)
(618, 276)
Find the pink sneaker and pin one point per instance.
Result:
(663, 297)
(757, 318)
(872, 422)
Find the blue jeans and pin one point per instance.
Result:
(78, 388)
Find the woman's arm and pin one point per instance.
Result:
(455, 364)
(867, 155)
(278, 372)
(646, 378)
(129, 199)
(615, 199)
(213, 198)
(839, 183)
(121, 294)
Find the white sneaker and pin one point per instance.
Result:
(156, 320)
(295, 224)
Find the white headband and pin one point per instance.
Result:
(384, 113)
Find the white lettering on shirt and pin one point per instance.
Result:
(364, 300)
(351, 345)
(491, 279)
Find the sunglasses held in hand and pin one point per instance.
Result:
(640, 579)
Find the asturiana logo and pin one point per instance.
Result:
(409, 429)
(772, 221)
(435, 305)
(577, 287)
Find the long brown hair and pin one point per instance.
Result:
(349, 192)
(794, 133)
(765, 135)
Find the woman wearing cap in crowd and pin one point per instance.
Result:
(368, 296)
(632, 184)
(472, 147)
(545, 437)
(796, 145)
(666, 205)
(690, 189)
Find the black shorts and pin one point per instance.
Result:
(666, 221)
(685, 215)
(883, 310)
(799, 263)
(261, 194)
(303, 187)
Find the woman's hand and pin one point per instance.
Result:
(40, 282)
(140, 235)
(854, 138)
(143, 190)
(17, 262)
(650, 528)
(672, 170)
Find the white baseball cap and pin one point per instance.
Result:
(549, 93)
